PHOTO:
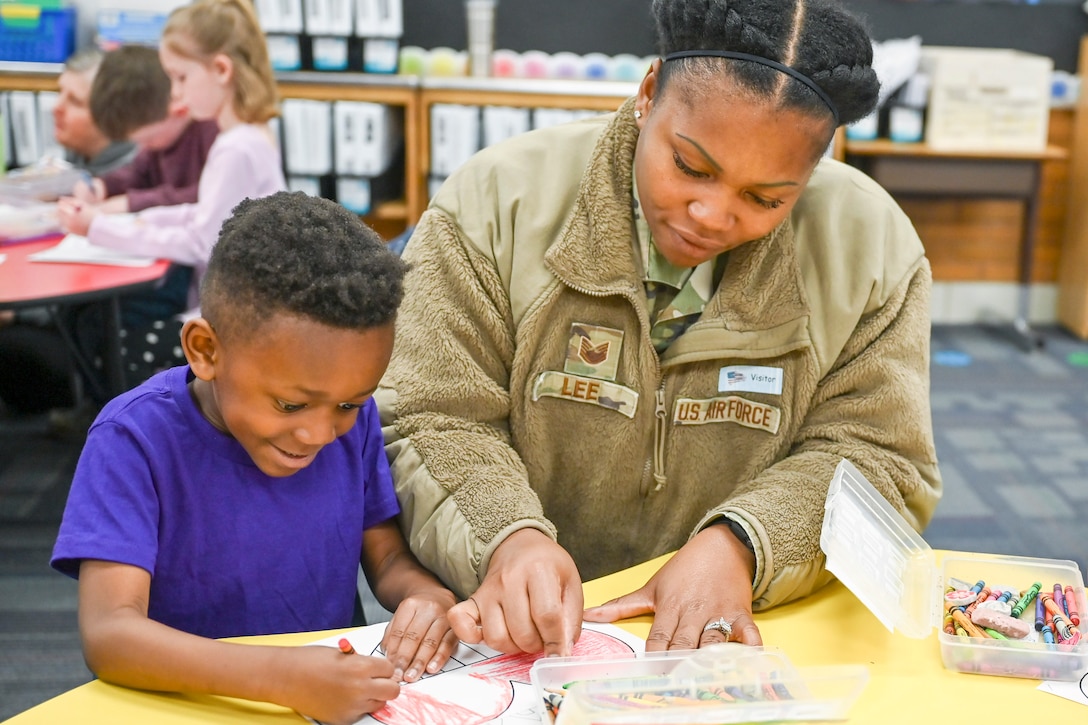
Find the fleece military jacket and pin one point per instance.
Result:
(524, 390)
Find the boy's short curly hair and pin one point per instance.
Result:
(299, 255)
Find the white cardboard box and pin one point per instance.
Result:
(987, 99)
(307, 130)
(455, 136)
(367, 137)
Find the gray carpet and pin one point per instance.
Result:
(1012, 438)
(1012, 442)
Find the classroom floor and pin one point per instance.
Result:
(1012, 440)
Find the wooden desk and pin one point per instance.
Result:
(908, 683)
(915, 169)
(39, 284)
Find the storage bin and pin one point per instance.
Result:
(27, 221)
(45, 180)
(891, 569)
(34, 34)
(120, 27)
(987, 99)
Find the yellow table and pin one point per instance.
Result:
(908, 683)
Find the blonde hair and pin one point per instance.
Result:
(206, 28)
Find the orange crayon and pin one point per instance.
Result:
(1051, 606)
(345, 646)
(971, 628)
(982, 596)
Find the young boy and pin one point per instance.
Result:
(233, 496)
(130, 101)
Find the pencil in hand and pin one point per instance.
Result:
(345, 646)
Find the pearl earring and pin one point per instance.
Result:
(638, 115)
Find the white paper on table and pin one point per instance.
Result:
(1076, 691)
(77, 248)
(478, 685)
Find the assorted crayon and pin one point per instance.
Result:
(1023, 602)
(642, 695)
(1071, 605)
(994, 612)
(982, 611)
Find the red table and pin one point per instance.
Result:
(49, 284)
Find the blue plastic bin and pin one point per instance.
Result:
(121, 27)
(37, 35)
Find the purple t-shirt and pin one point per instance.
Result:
(231, 551)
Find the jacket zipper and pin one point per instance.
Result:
(661, 415)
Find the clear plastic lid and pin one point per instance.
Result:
(723, 683)
(878, 556)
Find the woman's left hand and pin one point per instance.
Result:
(75, 216)
(710, 577)
(418, 638)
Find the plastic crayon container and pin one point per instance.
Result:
(727, 683)
(27, 221)
(891, 569)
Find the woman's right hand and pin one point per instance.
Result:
(332, 687)
(530, 599)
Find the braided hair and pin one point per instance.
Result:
(816, 38)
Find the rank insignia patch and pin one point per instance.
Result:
(593, 351)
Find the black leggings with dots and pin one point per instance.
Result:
(150, 348)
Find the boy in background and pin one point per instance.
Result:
(36, 371)
(130, 101)
(233, 496)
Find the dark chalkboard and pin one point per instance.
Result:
(624, 26)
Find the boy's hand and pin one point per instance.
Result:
(75, 216)
(419, 638)
(114, 205)
(329, 686)
(90, 193)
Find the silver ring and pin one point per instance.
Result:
(721, 625)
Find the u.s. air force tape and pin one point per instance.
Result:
(727, 409)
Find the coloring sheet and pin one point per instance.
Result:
(478, 686)
(1075, 691)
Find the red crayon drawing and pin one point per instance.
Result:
(489, 693)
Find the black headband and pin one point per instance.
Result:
(780, 67)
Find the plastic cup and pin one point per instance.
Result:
(506, 63)
(535, 64)
(444, 62)
(413, 60)
(566, 65)
(627, 67)
(480, 17)
(596, 66)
